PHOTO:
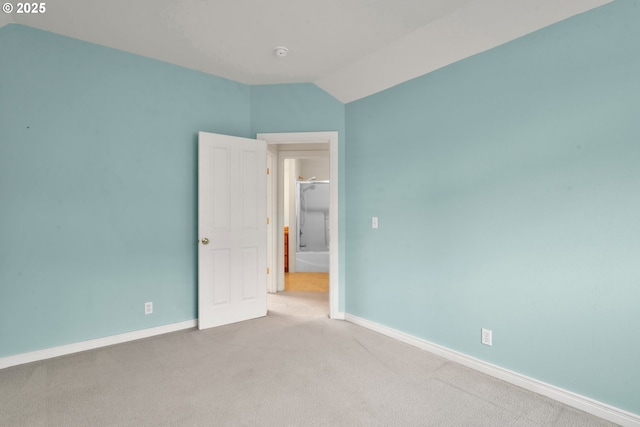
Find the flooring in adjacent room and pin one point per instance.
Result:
(302, 281)
(294, 367)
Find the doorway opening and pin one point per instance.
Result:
(306, 223)
(311, 162)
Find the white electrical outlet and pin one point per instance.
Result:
(148, 308)
(487, 336)
(374, 222)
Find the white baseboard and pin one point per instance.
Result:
(340, 315)
(48, 353)
(583, 403)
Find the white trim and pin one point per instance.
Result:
(272, 191)
(48, 353)
(575, 400)
(317, 137)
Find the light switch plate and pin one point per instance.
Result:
(374, 222)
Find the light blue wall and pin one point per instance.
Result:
(98, 184)
(304, 108)
(508, 191)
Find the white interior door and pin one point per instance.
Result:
(232, 237)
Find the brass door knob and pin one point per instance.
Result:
(205, 241)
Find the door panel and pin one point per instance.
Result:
(249, 274)
(232, 229)
(249, 183)
(221, 281)
(219, 163)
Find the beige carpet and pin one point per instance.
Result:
(294, 367)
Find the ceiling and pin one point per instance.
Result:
(349, 48)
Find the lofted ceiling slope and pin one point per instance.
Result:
(349, 48)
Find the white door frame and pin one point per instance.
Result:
(311, 138)
(272, 156)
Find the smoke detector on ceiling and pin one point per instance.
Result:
(281, 51)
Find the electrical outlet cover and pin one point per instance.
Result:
(487, 337)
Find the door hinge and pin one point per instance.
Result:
(267, 221)
(268, 171)
(267, 270)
